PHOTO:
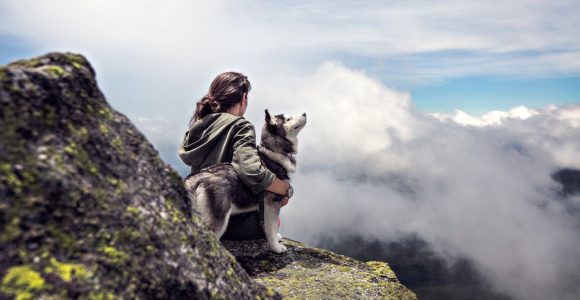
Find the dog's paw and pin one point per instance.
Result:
(279, 248)
(291, 169)
(280, 237)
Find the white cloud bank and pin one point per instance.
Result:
(370, 165)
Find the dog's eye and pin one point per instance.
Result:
(288, 119)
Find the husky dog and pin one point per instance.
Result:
(217, 193)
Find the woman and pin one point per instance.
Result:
(218, 133)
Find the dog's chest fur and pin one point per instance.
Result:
(281, 164)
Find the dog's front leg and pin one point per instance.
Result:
(271, 213)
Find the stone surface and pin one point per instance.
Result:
(87, 208)
(310, 273)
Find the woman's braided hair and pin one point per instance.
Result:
(225, 91)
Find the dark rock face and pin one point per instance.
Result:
(87, 207)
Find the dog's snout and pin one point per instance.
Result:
(304, 114)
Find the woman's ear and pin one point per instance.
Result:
(245, 100)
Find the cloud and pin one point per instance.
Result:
(372, 166)
(490, 118)
(468, 38)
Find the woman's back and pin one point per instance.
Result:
(222, 138)
(209, 141)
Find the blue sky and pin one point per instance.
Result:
(478, 95)
(476, 56)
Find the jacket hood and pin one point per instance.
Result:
(203, 136)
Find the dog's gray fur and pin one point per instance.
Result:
(217, 193)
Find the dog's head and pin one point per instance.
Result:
(284, 125)
(280, 132)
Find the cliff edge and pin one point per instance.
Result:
(88, 210)
(310, 273)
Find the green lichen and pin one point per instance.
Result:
(176, 214)
(103, 128)
(3, 73)
(11, 231)
(382, 269)
(54, 71)
(157, 159)
(29, 63)
(81, 157)
(67, 271)
(82, 133)
(230, 272)
(106, 113)
(93, 170)
(132, 210)
(22, 282)
(76, 60)
(64, 241)
(51, 116)
(103, 296)
(121, 187)
(115, 256)
(112, 180)
(71, 148)
(117, 144)
(14, 183)
(270, 292)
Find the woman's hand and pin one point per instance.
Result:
(284, 202)
(279, 187)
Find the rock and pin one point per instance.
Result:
(87, 208)
(310, 273)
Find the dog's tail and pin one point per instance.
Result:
(191, 184)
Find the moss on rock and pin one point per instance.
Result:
(310, 273)
(22, 282)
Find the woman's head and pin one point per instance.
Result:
(225, 91)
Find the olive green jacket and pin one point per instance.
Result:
(223, 137)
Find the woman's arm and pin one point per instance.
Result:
(247, 163)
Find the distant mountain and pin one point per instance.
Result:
(419, 268)
(569, 179)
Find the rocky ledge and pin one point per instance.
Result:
(311, 273)
(88, 210)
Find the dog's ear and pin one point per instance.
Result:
(269, 118)
(272, 124)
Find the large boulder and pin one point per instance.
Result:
(87, 207)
